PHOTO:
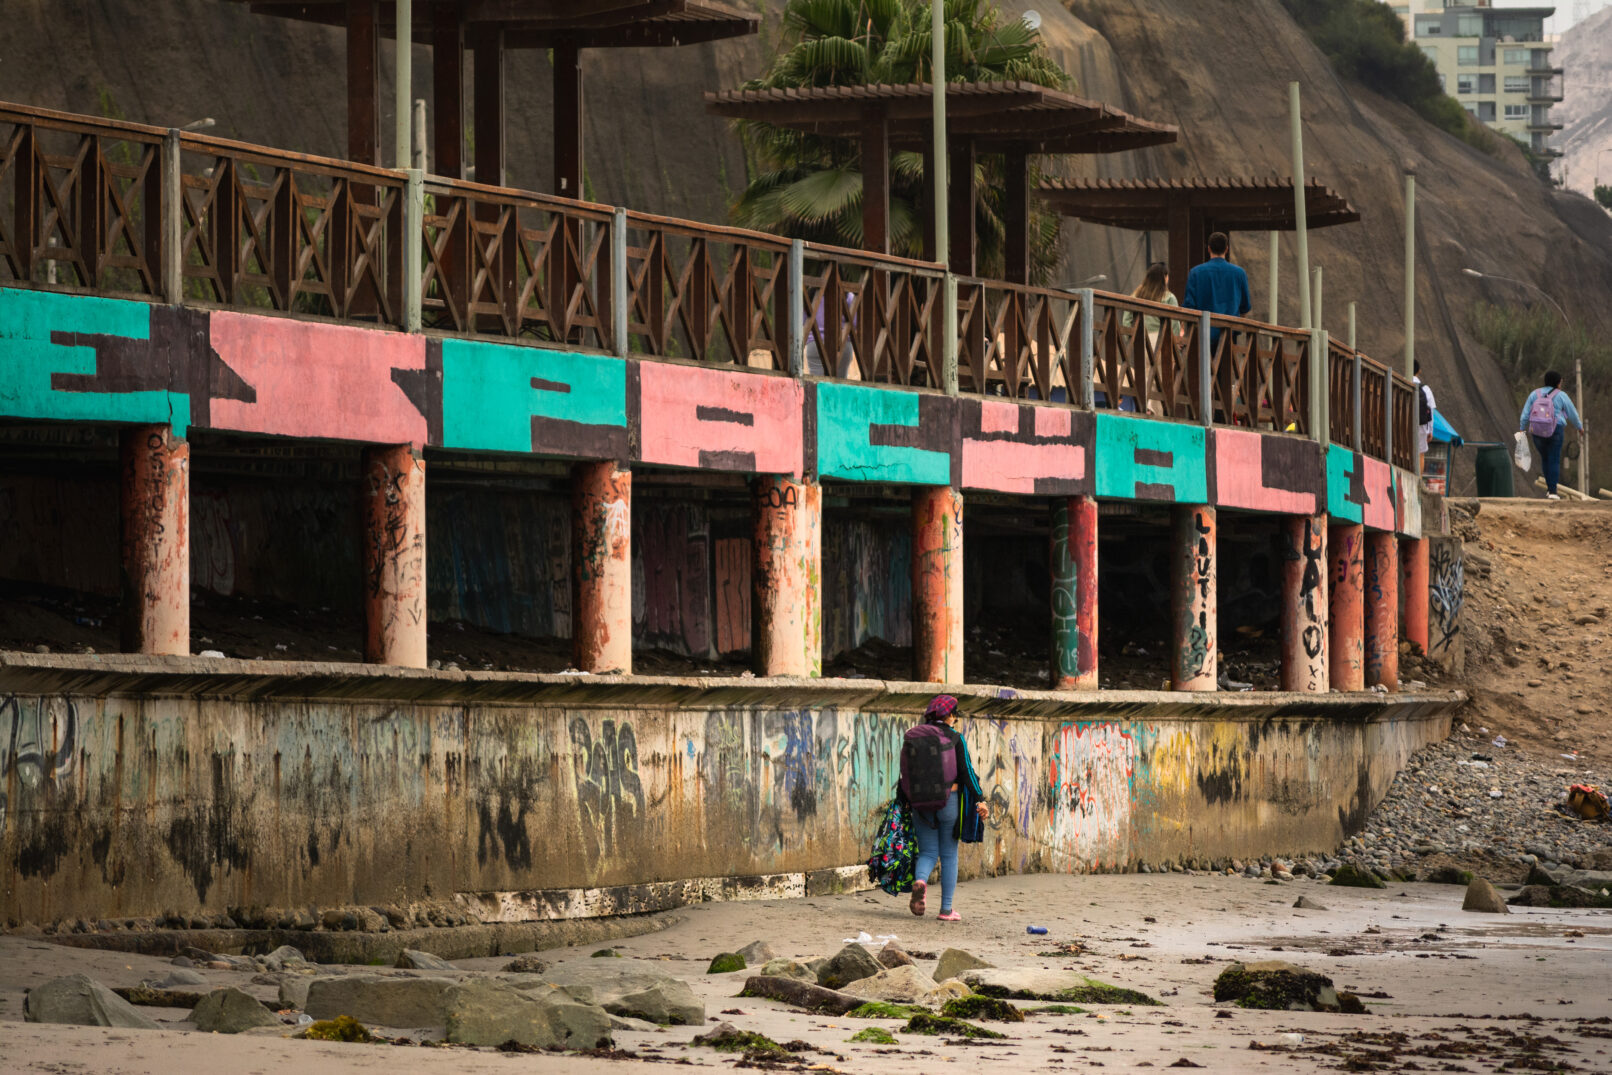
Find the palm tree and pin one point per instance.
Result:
(810, 187)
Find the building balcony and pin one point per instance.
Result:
(1543, 125)
(1540, 97)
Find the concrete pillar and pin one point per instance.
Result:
(1193, 660)
(155, 518)
(601, 558)
(1304, 603)
(937, 585)
(1382, 610)
(787, 625)
(1347, 621)
(1413, 561)
(394, 556)
(1074, 594)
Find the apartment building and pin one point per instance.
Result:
(1495, 61)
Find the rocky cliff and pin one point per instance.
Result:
(1585, 56)
(1218, 68)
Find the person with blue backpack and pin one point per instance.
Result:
(940, 786)
(1545, 417)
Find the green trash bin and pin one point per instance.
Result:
(1494, 470)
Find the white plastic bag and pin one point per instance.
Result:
(1521, 453)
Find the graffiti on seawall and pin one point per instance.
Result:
(37, 747)
(1446, 592)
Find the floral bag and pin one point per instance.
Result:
(895, 849)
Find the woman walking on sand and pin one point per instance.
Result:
(939, 783)
(1545, 416)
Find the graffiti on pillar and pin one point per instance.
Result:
(609, 789)
(1312, 590)
(1066, 583)
(884, 435)
(1198, 647)
(508, 398)
(1140, 459)
(395, 558)
(719, 419)
(1090, 776)
(1446, 591)
(38, 745)
(672, 563)
(1031, 449)
(1271, 473)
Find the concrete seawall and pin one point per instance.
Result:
(132, 785)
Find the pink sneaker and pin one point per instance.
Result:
(948, 916)
(917, 902)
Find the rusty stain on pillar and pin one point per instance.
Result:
(1346, 623)
(1382, 610)
(394, 556)
(601, 544)
(1074, 593)
(1194, 660)
(787, 628)
(155, 520)
(1413, 562)
(1304, 603)
(937, 585)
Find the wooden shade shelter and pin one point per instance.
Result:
(1016, 119)
(490, 28)
(1193, 209)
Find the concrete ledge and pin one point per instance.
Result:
(97, 675)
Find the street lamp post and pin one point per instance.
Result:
(1578, 367)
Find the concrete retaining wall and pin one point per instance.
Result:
(132, 786)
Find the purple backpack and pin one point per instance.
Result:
(1542, 415)
(929, 765)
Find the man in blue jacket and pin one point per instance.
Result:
(1217, 285)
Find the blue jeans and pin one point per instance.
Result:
(937, 840)
(1550, 455)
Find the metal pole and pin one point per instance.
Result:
(937, 78)
(1410, 272)
(413, 238)
(1315, 299)
(418, 156)
(1276, 275)
(1088, 348)
(1319, 431)
(1583, 437)
(1301, 218)
(173, 195)
(1356, 441)
(1206, 390)
(619, 298)
(797, 303)
(405, 77)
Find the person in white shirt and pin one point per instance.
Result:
(1425, 409)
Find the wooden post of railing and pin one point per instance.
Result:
(283, 241)
(1388, 419)
(1088, 348)
(619, 299)
(1206, 387)
(949, 354)
(1354, 403)
(793, 325)
(1320, 387)
(172, 255)
(227, 248)
(413, 234)
(25, 220)
(91, 211)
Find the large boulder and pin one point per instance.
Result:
(1060, 986)
(1277, 986)
(278, 959)
(230, 1011)
(850, 964)
(490, 1012)
(412, 959)
(892, 955)
(1481, 896)
(788, 968)
(380, 1000)
(81, 1001)
(899, 985)
(630, 988)
(954, 961)
(756, 953)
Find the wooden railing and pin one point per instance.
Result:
(131, 210)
